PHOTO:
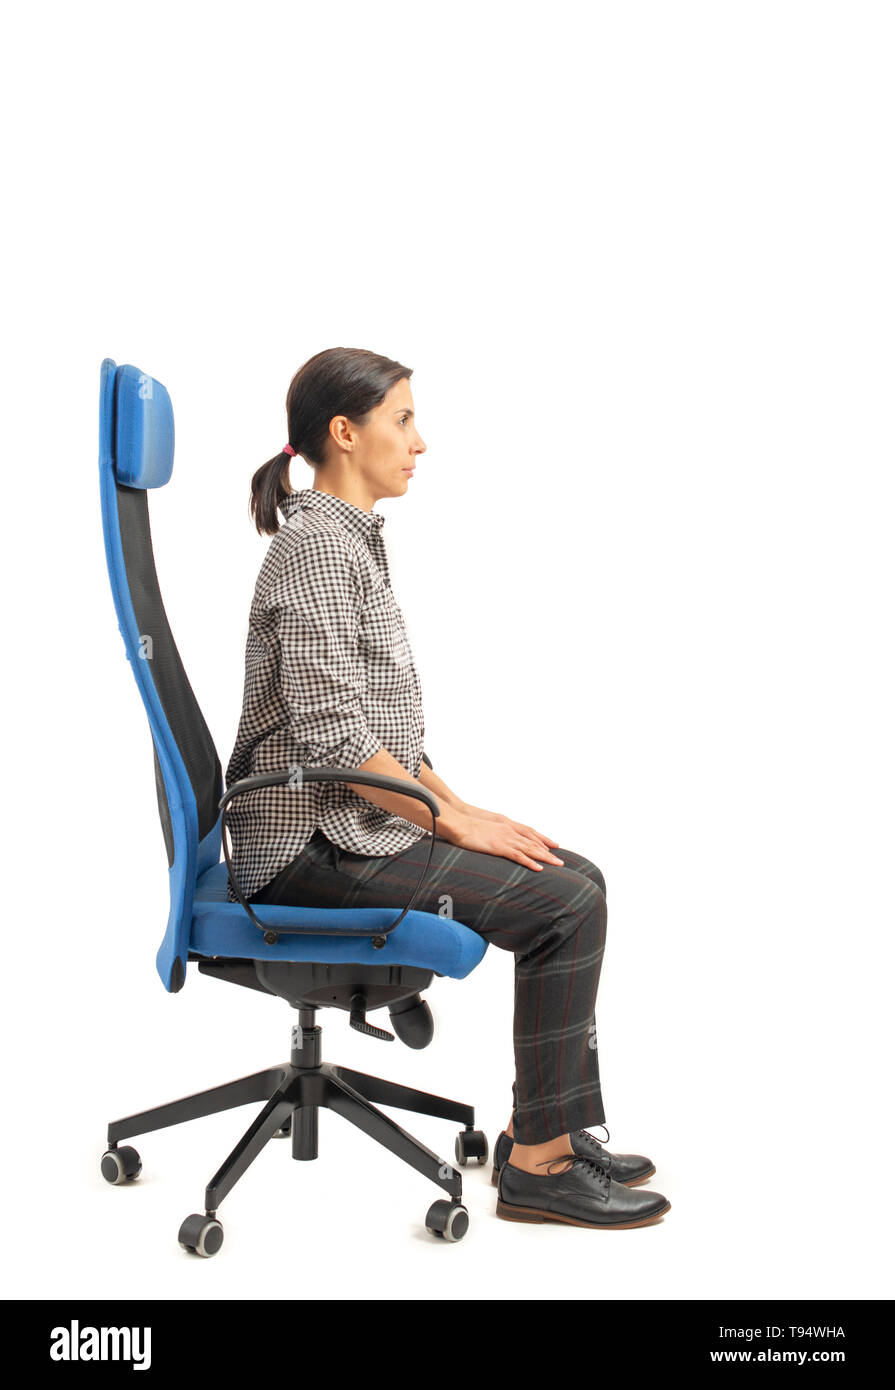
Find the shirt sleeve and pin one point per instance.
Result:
(318, 597)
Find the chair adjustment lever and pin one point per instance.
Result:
(357, 1017)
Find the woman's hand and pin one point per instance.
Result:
(495, 834)
(478, 814)
(454, 811)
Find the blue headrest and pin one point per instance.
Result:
(144, 435)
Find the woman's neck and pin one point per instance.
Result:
(350, 489)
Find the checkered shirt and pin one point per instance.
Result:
(329, 680)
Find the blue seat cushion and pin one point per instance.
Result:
(424, 939)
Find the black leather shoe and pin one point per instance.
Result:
(629, 1169)
(582, 1195)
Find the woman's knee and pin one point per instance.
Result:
(581, 865)
(598, 879)
(591, 912)
(599, 908)
(581, 919)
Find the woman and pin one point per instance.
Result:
(330, 681)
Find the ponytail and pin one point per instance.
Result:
(268, 491)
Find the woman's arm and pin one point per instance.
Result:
(408, 807)
(442, 790)
(317, 604)
(488, 834)
(444, 793)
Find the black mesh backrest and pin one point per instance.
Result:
(181, 708)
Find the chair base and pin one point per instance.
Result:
(294, 1093)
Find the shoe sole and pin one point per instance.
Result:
(632, 1182)
(534, 1216)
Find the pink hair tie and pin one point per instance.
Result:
(288, 449)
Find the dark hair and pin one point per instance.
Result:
(337, 381)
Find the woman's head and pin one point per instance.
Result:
(349, 412)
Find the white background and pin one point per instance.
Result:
(639, 257)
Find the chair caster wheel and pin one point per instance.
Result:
(121, 1165)
(448, 1220)
(471, 1143)
(203, 1235)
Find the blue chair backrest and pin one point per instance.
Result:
(136, 452)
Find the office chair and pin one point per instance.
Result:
(352, 959)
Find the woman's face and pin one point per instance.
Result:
(384, 449)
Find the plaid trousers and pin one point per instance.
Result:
(554, 922)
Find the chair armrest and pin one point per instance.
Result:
(297, 776)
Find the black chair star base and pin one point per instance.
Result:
(294, 1093)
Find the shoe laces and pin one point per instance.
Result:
(599, 1153)
(597, 1170)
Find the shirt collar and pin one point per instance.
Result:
(354, 518)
